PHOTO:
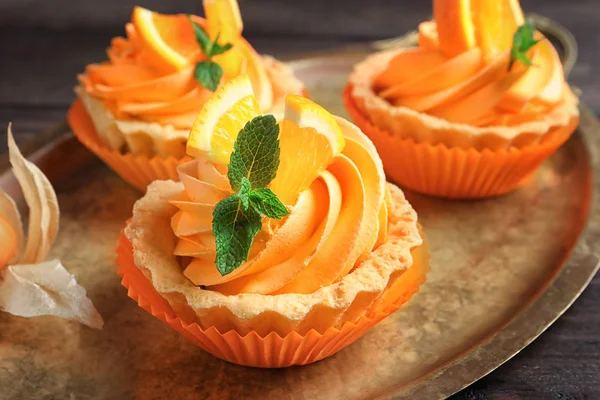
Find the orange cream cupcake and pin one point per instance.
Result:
(473, 110)
(135, 110)
(282, 243)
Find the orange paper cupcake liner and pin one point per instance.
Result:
(138, 171)
(455, 172)
(272, 350)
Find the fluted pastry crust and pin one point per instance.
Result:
(355, 295)
(421, 127)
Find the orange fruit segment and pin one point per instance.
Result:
(309, 139)
(224, 114)
(454, 26)
(168, 39)
(487, 24)
(223, 18)
(309, 136)
(495, 22)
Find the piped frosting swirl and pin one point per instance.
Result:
(333, 225)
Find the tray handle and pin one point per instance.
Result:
(558, 34)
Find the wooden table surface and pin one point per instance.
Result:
(44, 44)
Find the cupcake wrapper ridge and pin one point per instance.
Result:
(272, 350)
(138, 171)
(454, 172)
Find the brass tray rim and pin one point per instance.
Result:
(488, 353)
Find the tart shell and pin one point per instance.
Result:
(437, 169)
(268, 330)
(104, 136)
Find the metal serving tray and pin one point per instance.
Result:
(502, 270)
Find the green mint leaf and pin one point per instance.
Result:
(245, 199)
(209, 74)
(218, 49)
(245, 192)
(237, 219)
(267, 203)
(234, 230)
(202, 38)
(245, 186)
(255, 153)
(523, 40)
(209, 48)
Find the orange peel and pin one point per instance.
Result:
(169, 39)
(487, 24)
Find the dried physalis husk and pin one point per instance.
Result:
(28, 286)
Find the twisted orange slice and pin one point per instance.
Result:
(168, 39)
(224, 114)
(487, 24)
(224, 20)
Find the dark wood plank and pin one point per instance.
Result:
(28, 122)
(52, 41)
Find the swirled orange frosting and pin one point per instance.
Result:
(336, 222)
(467, 88)
(135, 85)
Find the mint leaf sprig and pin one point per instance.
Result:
(237, 219)
(208, 72)
(523, 40)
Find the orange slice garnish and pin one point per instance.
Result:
(223, 18)
(310, 138)
(222, 117)
(168, 39)
(454, 26)
(495, 23)
(488, 24)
